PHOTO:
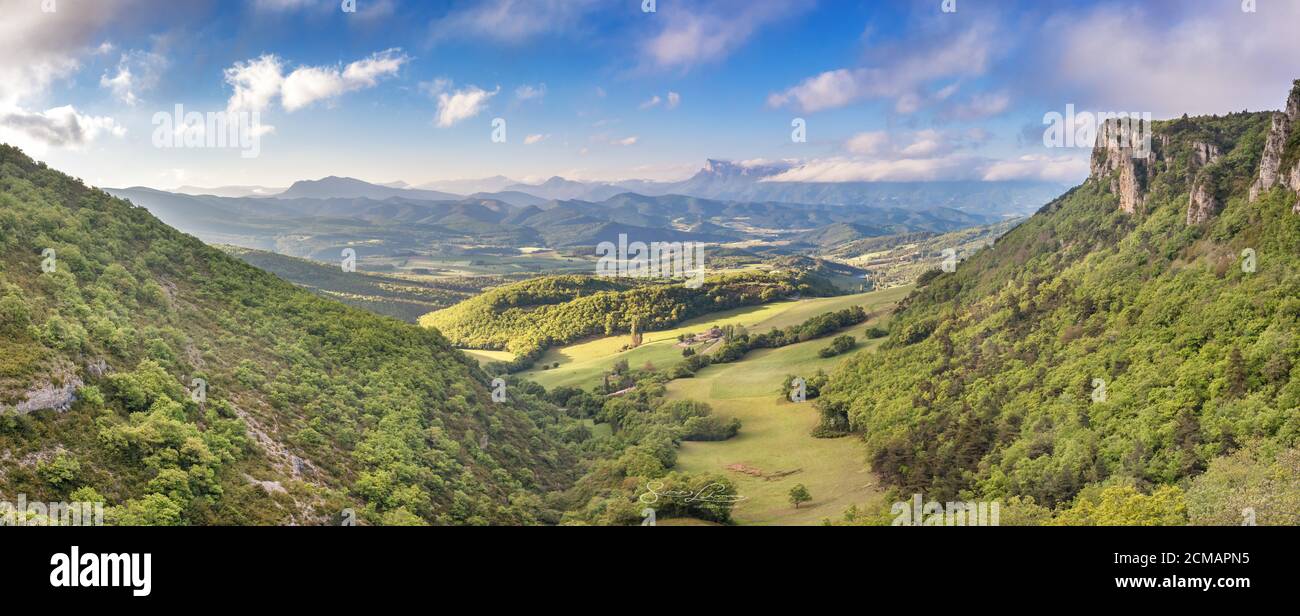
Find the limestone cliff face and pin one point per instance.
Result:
(1186, 155)
(1271, 171)
(1203, 205)
(1128, 170)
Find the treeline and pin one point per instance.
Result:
(737, 341)
(528, 317)
(633, 468)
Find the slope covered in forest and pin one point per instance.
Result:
(528, 317)
(1134, 346)
(140, 367)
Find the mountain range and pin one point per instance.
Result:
(717, 179)
(314, 218)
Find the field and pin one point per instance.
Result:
(774, 438)
(486, 357)
(774, 449)
(582, 364)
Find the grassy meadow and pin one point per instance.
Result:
(582, 364)
(775, 439)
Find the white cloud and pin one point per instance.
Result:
(528, 92)
(669, 101)
(137, 72)
(283, 5)
(868, 144)
(37, 49)
(1186, 57)
(307, 85)
(457, 105)
(513, 21)
(60, 126)
(966, 54)
(256, 82)
(1066, 168)
(927, 155)
(980, 106)
(843, 169)
(927, 143)
(532, 139)
(627, 141)
(702, 34)
(259, 81)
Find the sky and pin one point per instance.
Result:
(411, 90)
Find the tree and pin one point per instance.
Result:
(799, 494)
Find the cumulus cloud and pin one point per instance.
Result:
(627, 141)
(307, 85)
(256, 83)
(902, 80)
(136, 72)
(532, 139)
(38, 49)
(456, 105)
(61, 126)
(674, 99)
(707, 33)
(260, 81)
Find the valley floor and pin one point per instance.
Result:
(582, 364)
(774, 450)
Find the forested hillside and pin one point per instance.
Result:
(108, 318)
(1127, 355)
(527, 317)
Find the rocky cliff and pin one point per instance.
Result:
(1188, 156)
(1280, 163)
(1127, 168)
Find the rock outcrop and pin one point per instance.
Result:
(1128, 168)
(49, 396)
(1271, 164)
(57, 390)
(1203, 204)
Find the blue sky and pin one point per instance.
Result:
(600, 89)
